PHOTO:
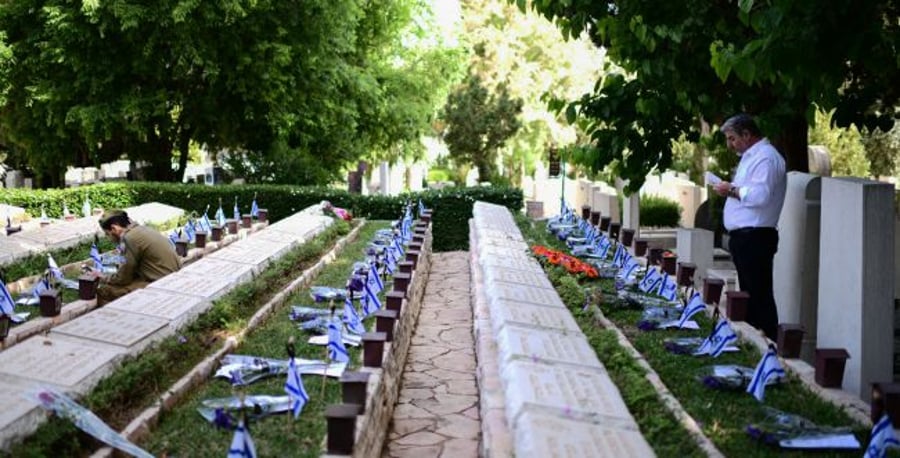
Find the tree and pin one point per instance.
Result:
(883, 151)
(684, 62)
(478, 123)
(845, 148)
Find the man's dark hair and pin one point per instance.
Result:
(117, 217)
(742, 123)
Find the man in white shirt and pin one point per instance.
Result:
(754, 200)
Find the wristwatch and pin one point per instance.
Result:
(733, 192)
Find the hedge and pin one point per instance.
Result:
(453, 206)
(658, 211)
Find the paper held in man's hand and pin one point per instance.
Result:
(711, 179)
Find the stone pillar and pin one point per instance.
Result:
(416, 176)
(796, 272)
(856, 275)
(631, 214)
(384, 177)
(695, 246)
(397, 179)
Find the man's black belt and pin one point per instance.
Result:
(750, 230)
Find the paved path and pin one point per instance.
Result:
(437, 410)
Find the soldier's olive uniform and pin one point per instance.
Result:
(149, 256)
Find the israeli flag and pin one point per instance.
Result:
(189, 231)
(54, 268)
(336, 350)
(390, 261)
(66, 211)
(44, 218)
(39, 288)
(7, 305)
(562, 206)
(237, 210)
(617, 258)
(295, 389)
(397, 246)
(373, 280)
(651, 280)
(421, 207)
(205, 224)
(95, 256)
(695, 306)
(86, 208)
(882, 438)
(174, 236)
(603, 246)
(667, 288)
(220, 216)
(242, 445)
(351, 318)
(628, 270)
(769, 368)
(371, 303)
(721, 336)
(254, 209)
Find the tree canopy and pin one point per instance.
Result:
(288, 92)
(685, 62)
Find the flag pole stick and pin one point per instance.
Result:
(327, 356)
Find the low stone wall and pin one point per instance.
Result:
(538, 376)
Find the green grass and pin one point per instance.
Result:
(142, 379)
(184, 433)
(722, 415)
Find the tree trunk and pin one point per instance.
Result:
(184, 146)
(793, 142)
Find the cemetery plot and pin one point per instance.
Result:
(131, 332)
(175, 307)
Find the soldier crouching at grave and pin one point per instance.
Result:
(148, 255)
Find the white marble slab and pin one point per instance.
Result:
(495, 262)
(212, 267)
(509, 313)
(75, 366)
(176, 308)
(519, 293)
(540, 435)
(494, 234)
(154, 213)
(132, 332)
(518, 277)
(207, 287)
(515, 343)
(19, 416)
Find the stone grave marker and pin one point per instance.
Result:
(504, 313)
(543, 435)
(19, 416)
(75, 366)
(536, 280)
(482, 234)
(132, 332)
(220, 268)
(485, 251)
(154, 212)
(207, 287)
(586, 394)
(550, 346)
(495, 262)
(519, 293)
(176, 308)
(52, 237)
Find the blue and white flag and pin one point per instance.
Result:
(295, 389)
(373, 280)
(720, 338)
(769, 368)
(371, 303)
(237, 210)
(254, 209)
(618, 256)
(390, 262)
(422, 208)
(189, 231)
(66, 211)
(7, 305)
(42, 285)
(220, 216)
(337, 352)
(174, 236)
(667, 288)
(54, 268)
(695, 306)
(95, 257)
(242, 445)
(351, 318)
(651, 280)
(882, 438)
(628, 270)
(603, 246)
(86, 208)
(44, 218)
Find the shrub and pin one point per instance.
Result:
(658, 211)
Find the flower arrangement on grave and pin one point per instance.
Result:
(571, 264)
(787, 430)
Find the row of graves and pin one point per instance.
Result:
(664, 290)
(45, 291)
(72, 352)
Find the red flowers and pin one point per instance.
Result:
(572, 264)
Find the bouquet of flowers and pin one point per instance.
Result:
(726, 376)
(653, 317)
(793, 431)
(327, 293)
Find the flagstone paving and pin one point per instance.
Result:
(437, 410)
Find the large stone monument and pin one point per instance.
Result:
(856, 276)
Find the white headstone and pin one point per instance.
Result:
(176, 308)
(518, 293)
(510, 313)
(76, 366)
(856, 274)
(542, 435)
(131, 332)
(514, 343)
(203, 286)
(696, 246)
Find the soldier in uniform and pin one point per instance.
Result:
(148, 254)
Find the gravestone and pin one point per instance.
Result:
(52, 237)
(856, 275)
(176, 308)
(206, 287)
(796, 265)
(695, 246)
(529, 265)
(504, 313)
(514, 343)
(130, 332)
(543, 435)
(75, 366)
(605, 201)
(219, 268)
(518, 293)
(537, 280)
(153, 213)
(19, 416)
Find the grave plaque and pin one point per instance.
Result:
(550, 346)
(496, 262)
(519, 293)
(195, 285)
(276, 237)
(176, 308)
(153, 212)
(586, 394)
(543, 435)
(486, 251)
(132, 331)
(19, 416)
(483, 234)
(219, 268)
(54, 236)
(511, 244)
(537, 280)
(505, 313)
(71, 365)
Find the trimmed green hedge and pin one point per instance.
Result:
(659, 212)
(453, 206)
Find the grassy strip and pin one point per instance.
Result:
(142, 379)
(722, 415)
(184, 433)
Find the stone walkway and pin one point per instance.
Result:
(437, 410)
